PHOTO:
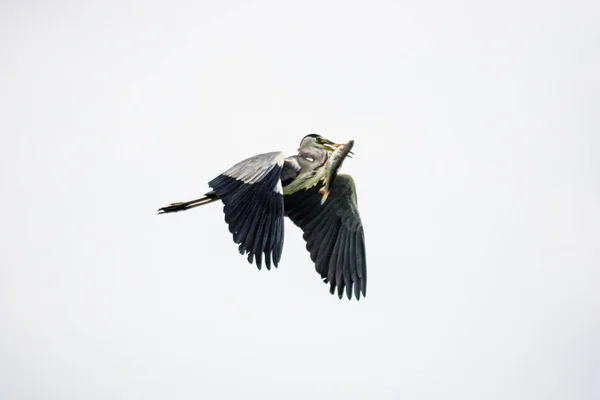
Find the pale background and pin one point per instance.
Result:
(477, 136)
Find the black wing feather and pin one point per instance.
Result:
(253, 207)
(334, 235)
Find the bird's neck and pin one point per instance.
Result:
(315, 153)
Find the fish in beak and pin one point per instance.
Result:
(333, 165)
(331, 146)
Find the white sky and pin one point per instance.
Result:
(477, 139)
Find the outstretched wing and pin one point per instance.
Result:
(253, 205)
(334, 234)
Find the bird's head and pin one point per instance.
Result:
(319, 142)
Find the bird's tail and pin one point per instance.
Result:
(186, 205)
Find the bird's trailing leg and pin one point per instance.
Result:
(186, 205)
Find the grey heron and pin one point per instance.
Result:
(259, 191)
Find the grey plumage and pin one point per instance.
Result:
(259, 191)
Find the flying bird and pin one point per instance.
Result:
(259, 191)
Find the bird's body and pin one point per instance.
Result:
(259, 191)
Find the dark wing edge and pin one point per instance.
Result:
(252, 195)
(334, 235)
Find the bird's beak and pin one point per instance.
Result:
(330, 146)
